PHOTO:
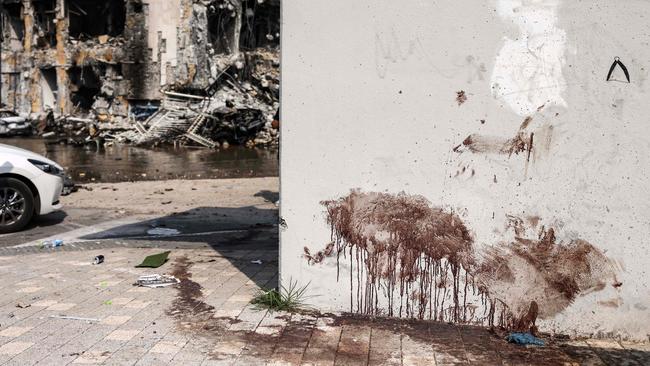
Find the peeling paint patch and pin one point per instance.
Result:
(527, 71)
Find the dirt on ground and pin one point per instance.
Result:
(170, 196)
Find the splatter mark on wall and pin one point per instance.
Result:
(461, 97)
(405, 248)
(409, 258)
(541, 271)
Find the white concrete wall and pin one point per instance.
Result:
(164, 16)
(369, 101)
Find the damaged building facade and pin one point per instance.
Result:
(144, 70)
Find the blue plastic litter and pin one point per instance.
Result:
(57, 243)
(524, 339)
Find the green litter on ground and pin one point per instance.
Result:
(154, 261)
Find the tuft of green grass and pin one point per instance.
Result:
(290, 298)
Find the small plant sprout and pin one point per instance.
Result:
(289, 298)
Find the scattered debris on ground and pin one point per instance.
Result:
(155, 260)
(66, 317)
(51, 243)
(156, 280)
(162, 231)
(524, 339)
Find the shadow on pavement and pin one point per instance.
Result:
(479, 346)
(39, 227)
(608, 356)
(50, 219)
(249, 230)
(269, 196)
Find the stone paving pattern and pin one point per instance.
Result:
(143, 326)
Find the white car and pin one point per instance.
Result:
(30, 185)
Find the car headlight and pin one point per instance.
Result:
(47, 168)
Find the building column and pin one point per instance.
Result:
(62, 79)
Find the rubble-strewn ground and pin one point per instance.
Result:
(172, 196)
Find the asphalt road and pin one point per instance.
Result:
(234, 228)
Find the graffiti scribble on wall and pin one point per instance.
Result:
(412, 259)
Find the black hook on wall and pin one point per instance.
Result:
(617, 61)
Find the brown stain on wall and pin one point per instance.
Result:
(542, 270)
(404, 246)
(423, 261)
(481, 144)
(461, 97)
(521, 142)
(611, 303)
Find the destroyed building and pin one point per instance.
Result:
(145, 71)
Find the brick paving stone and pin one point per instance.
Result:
(416, 353)
(92, 357)
(14, 347)
(136, 327)
(61, 307)
(354, 346)
(121, 300)
(323, 344)
(286, 355)
(122, 335)
(29, 289)
(115, 320)
(45, 303)
(165, 347)
(192, 352)
(386, 348)
(14, 331)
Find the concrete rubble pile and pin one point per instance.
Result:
(188, 72)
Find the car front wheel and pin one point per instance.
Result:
(16, 205)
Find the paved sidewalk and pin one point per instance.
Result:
(208, 320)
